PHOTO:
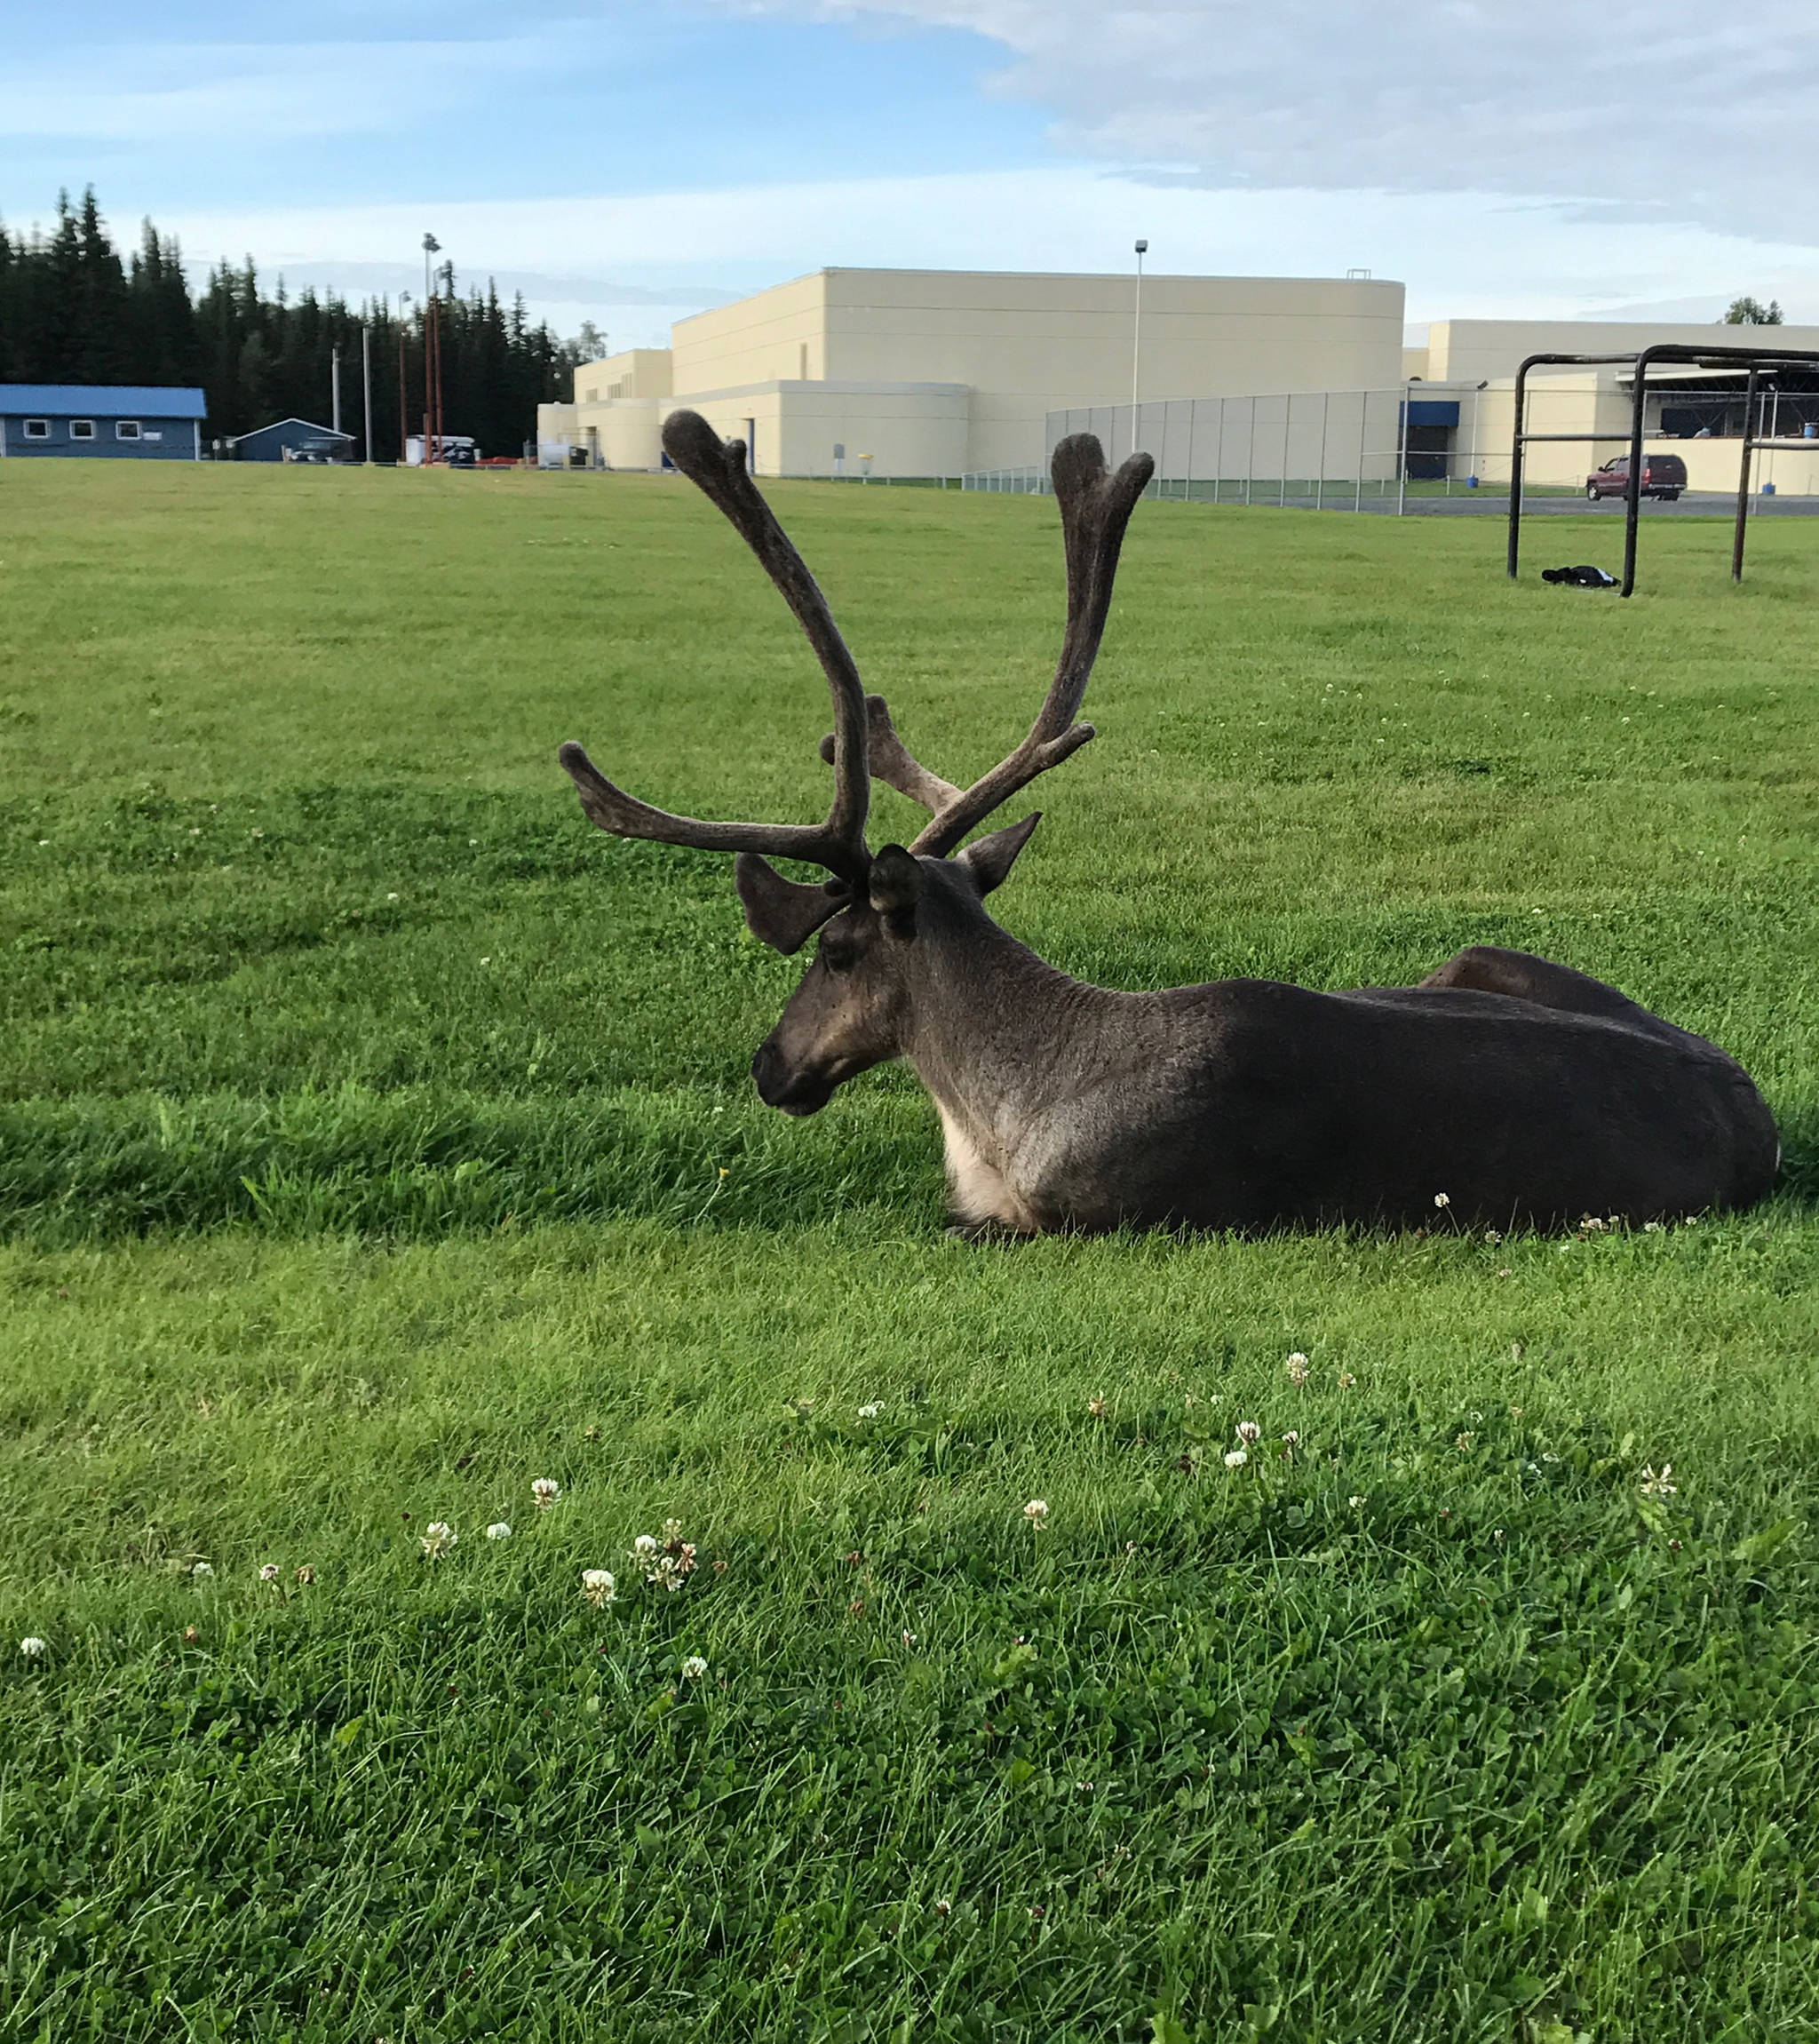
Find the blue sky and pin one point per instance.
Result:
(629, 164)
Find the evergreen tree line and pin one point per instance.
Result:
(72, 311)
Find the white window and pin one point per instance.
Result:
(37, 429)
(82, 429)
(126, 429)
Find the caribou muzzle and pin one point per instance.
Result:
(790, 1091)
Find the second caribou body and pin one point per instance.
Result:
(1505, 1088)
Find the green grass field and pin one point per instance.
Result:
(375, 1138)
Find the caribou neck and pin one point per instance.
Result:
(993, 1030)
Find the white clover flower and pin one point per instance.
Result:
(499, 1531)
(644, 1547)
(1292, 1439)
(872, 1412)
(1095, 1406)
(694, 1668)
(31, 1646)
(1347, 1379)
(268, 1572)
(672, 1531)
(598, 1588)
(545, 1490)
(1249, 1431)
(1297, 1368)
(1037, 1512)
(1661, 1486)
(1442, 1200)
(203, 1570)
(909, 1640)
(1235, 1458)
(1357, 1503)
(306, 1573)
(438, 1537)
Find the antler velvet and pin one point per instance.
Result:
(784, 912)
(1096, 506)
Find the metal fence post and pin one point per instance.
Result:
(1403, 451)
(1219, 452)
(1736, 542)
(1363, 427)
(1320, 479)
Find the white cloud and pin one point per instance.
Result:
(1669, 109)
(635, 262)
(250, 93)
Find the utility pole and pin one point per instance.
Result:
(366, 389)
(430, 245)
(403, 403)
(1137, 339)
(335, 387)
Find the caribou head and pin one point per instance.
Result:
(1502, 1089)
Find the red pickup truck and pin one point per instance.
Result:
(1663, 476)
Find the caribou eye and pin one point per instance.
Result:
(837, 954)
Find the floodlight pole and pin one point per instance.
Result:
(365, 387)
(335, 388)
(1137, 339)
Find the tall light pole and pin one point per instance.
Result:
(365, 387)
(431, 340)
(335, 387)
(1137, 336)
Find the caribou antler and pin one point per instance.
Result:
(1096, 506)
(784, 912)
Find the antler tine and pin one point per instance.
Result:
(719, 469)
(789, 911)
(894, 764)
(1096, 506)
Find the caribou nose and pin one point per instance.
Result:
(765, 1074)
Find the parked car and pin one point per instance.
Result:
(1663, 476)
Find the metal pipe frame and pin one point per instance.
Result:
(1753, 359)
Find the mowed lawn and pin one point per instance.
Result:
(375, 1140)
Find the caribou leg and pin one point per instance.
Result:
(1489, 969)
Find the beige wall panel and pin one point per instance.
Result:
(636, 372)
(776, 335)
(906, 430)
(1466, 351)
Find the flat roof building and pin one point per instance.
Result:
(934, 372)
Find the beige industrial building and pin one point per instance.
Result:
(937, 372)
(917, 373)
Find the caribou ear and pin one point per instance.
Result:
(784, 914)
(896, 886)
(989, 859)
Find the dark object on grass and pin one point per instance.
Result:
(1502, 1090)
(1580, 577)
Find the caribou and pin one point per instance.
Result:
(1502, 1090)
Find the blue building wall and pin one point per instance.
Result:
(273, 442)
(85, 419)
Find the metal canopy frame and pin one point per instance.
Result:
(1755, 360)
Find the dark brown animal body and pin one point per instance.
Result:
(1504, 1090)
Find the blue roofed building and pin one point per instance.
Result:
(116, 421)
